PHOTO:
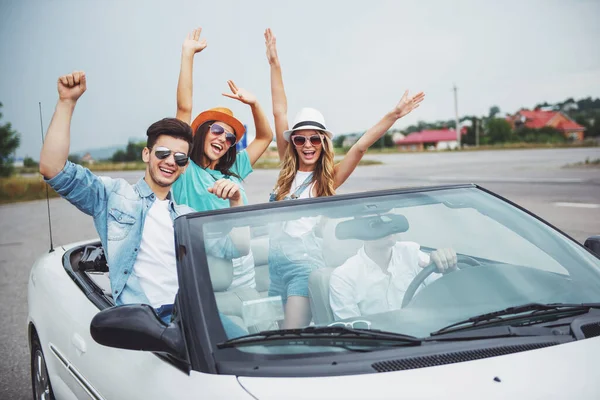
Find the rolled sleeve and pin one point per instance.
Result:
(424, 259)
(80, 187)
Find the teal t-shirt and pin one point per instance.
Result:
(192, 186)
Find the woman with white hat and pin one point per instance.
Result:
(308, 170)
(213, 178)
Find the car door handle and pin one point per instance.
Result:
(79, 343)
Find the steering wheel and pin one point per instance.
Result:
(462, 262)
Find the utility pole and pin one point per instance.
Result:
(476, 132)
(458, 138)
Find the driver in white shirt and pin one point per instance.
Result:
(376, 278)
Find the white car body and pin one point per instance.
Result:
(78, 367)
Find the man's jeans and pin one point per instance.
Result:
(232, 330)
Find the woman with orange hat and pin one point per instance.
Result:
(213, 178)
(308, 170)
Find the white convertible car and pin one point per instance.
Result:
(519, 318)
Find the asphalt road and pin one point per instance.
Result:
(569, 198)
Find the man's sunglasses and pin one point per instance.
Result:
(299, 140)
(181, 159)
(219, 130)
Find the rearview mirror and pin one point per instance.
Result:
(593, 244)
(136, 327)
(372, 227)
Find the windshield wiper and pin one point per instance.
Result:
(533, 310)
(322, 332)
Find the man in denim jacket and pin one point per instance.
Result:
(134, 222)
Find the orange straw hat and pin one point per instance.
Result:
(221, 114)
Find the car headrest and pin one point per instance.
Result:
(221, 273)
(260, 250)
(372, 227)
(318, 294)
(336, 251)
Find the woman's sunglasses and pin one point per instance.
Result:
(219, 130)
(299, 140)
(161, 153)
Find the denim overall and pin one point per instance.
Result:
(292, 259)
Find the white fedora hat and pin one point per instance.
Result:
(308, 118)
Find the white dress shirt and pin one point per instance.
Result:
(360, 287)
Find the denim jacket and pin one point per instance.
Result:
(119, 210)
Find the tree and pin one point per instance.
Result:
(133, 152)
(9, 142)
(388, 141)
(498, 130)
(494, 110)
(74, 158)
(29, 162)
(339, 141)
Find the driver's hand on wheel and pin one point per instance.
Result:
(444, 259)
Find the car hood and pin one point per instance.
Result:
(563, 371)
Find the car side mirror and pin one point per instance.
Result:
(136, 327)
(593, 244)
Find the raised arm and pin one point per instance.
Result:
(277, 93)
(264, 134)
(55, 150)
(191, 45)
(358, 150)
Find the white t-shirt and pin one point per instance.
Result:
(155, 265)
(244, 275)
(359, 286)
(302, 225)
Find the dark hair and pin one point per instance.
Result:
(170, 127)
(197, 154)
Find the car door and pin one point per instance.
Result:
(112, 373)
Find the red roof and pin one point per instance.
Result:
(537, 119)
(433, 136)
(570, 126)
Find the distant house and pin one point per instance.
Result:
(87, 158)
(18, 162)
(539, 118)
(439, 139)
(350, 139)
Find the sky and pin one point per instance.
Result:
(350, 59)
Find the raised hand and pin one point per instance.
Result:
(271, 44)
(192, 43)
(240, 94)
(227, 190)
(71, 86)
(407, 104)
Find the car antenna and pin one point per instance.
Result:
(47, 194)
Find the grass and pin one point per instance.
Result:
(499, 146)
(19, 188)
(595, 163)
(26, 188)
(273, 163)
(117, 166)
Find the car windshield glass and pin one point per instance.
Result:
(373, 261)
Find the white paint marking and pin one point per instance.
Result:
(577, 205)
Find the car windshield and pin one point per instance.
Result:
(368, 261)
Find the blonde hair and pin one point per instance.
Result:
(322, 175)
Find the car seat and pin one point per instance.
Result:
(260, 250)
(335, 253)
(231, 303)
